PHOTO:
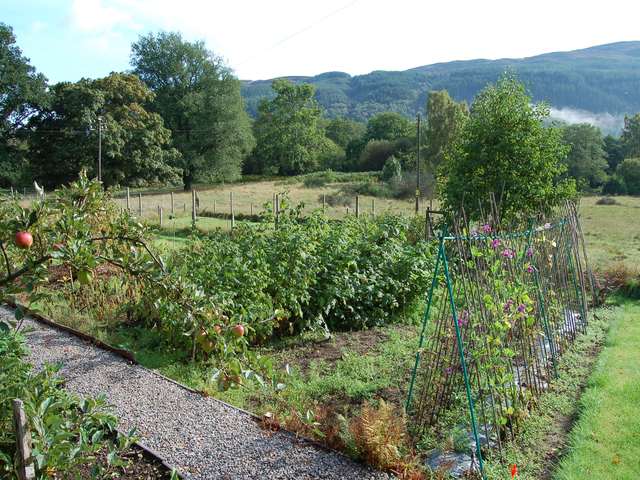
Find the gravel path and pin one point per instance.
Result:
(202, 437)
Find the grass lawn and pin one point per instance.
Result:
(605, 441)
(612, 232)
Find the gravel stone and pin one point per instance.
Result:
(201, 437)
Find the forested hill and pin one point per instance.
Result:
(605, 78)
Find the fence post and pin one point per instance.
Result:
(251, 209)
(373, 207)
(26, 470)
(233, 217)
(427, 224)
(214, 205)
(277, 207)
(194, 214)
(347, 210)
(357, 206)
(160, 215)
(128, 200)
(172, 205)
(184, 208)
(324, 202)
(139, 204)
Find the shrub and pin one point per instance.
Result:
(607, 201)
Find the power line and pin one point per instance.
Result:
(299, 32)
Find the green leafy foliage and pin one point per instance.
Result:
(309, 273)
(199, 100)
(22, 93)
(66, 431)
(629, 172)
(586, 161)
(288, 132)
(505, 149)
(135, 144)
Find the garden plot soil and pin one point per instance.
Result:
(302, 355)
(202, 437)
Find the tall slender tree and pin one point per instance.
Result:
(199, 99)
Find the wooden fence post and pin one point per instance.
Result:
(172, 205)
(373, 207)
(427, 224)
(128, 200)
(26, 470)
(160, 215)
(357, 206)
(233, 217)
(139, 204)
(324, 202)
(251, 209)
(194, 214)
(277, 207)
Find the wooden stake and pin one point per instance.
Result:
(357, 206)
(172, 209)
(373, 207)
(160, 215)
(26, 470)
(324, 202)
(194, 214)
(139, 204)
(214, 205)
(128, 201)
(233, 216)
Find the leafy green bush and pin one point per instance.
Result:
(310, 272)
(66, 431)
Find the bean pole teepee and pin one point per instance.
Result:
(502, 308)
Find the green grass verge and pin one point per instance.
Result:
(605, 441)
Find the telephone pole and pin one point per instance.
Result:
(418, 169)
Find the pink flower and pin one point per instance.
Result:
(463, 319)
(530, 268)
(486, 228)
(529, 252)
(495, 243)
(508, 253)
(547, 226)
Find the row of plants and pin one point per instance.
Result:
(303, 274)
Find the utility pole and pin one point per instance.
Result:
(418, 170)
(99, 148)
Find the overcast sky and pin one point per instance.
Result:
(70, 39)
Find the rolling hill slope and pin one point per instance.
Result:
(599, 79)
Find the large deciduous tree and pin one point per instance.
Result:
(199, 99)
(586, 161)
(135, 144)
(22, 93)
(506, 149)
(289, 137)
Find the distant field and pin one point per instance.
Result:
(612, 232)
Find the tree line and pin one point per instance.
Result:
(178, 117)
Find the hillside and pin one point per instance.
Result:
(599, 79)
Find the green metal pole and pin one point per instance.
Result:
(547, 331)
(425, 319)
(462, 361)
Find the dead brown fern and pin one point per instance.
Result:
(380, 436)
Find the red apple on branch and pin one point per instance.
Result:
(23, 239)
(238, 330)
